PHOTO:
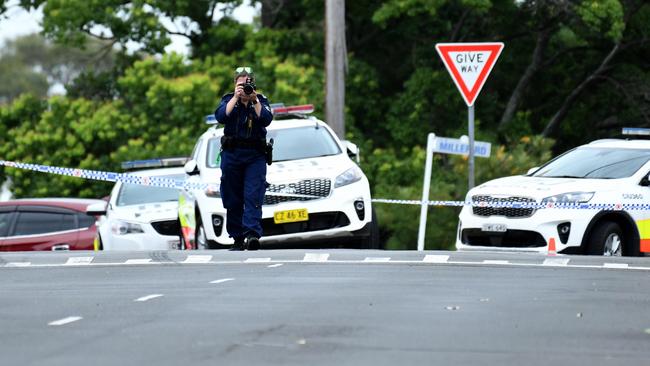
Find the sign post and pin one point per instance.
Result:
(469, 65)
(444, 145)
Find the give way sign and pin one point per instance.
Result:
(469, 65)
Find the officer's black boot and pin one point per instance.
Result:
(252, 243)
(239, 245)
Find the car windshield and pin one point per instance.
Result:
(595, 162)
(135, 194)
(289, 144)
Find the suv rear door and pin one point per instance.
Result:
(41, 228)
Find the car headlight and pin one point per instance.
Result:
(349, 176)
(572, 197)
(120, 227)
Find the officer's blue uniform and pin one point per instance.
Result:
(243, 168)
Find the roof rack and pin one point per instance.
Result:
(154, 163)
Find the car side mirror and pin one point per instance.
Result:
(191, 168)
(96, 209)
(352, 150)
(645, 181)
(532, 170)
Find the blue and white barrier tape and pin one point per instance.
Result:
(183, 184)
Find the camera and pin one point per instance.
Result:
(249, 86)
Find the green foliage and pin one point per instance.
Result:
(603, 16)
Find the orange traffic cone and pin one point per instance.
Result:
(551, 247)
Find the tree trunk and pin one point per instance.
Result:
(559, 116)
(538, 56)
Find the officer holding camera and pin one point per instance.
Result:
(245, 114)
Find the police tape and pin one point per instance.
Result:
(130, 178)
(153, 181)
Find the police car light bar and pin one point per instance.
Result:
(635, 131)
(280, 109)
(154, 163)
(211, 120)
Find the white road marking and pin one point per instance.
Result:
(257, 260)
(616, 265)
(556, 261)
(198, 259)
(76, 261)
(64, 321)
(138, 261)
(316, 257)
(223, 280)
(377, 259)
(18, 264)
(275, 265)
(148, 297)
(492, 261)
(432, 258)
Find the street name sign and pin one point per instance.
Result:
(447, 145)
(469, 65)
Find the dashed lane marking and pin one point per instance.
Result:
(148, 297)
(223, 280)
(65, 321)
(138, 261)
(435, 258)
(556, 262)
(18, 264)
(492, 261)
(79, 261)
(316, 257)
(257, 260)
(377, 259)
(275, 265)
(198, 259)
(616, 265)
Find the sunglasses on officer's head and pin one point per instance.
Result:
(247, 70)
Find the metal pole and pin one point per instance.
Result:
(431, 139)
(470, 113)
(335, 65)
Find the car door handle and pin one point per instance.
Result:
(60, 247)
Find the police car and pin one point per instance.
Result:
(605, 184)
(316, 191)
(141, 217)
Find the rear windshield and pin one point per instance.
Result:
(135, 194)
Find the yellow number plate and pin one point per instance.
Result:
(281, 217)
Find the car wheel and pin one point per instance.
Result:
(201, 241)
(606, 239)
(372, 240)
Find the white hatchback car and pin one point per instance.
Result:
(604, 183)
(139, 217)
(316, 191)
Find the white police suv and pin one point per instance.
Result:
(594, 199)
(316, 191)
(141, 217)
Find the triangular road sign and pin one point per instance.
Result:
(469, 65)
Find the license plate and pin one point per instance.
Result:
(498, 228)
(281, 217)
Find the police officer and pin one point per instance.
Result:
(245, 114)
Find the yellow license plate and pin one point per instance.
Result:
(281, 217)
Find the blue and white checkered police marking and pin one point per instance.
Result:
(182, 184)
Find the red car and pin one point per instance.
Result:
(46, 224)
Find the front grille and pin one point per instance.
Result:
(318, 188)
(317, 221)
(170, 227)
(508, 239)
(502, 211)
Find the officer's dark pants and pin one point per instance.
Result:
(243, 182)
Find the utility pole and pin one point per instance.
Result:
(335, 65)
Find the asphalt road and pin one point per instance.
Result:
(322, 308)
